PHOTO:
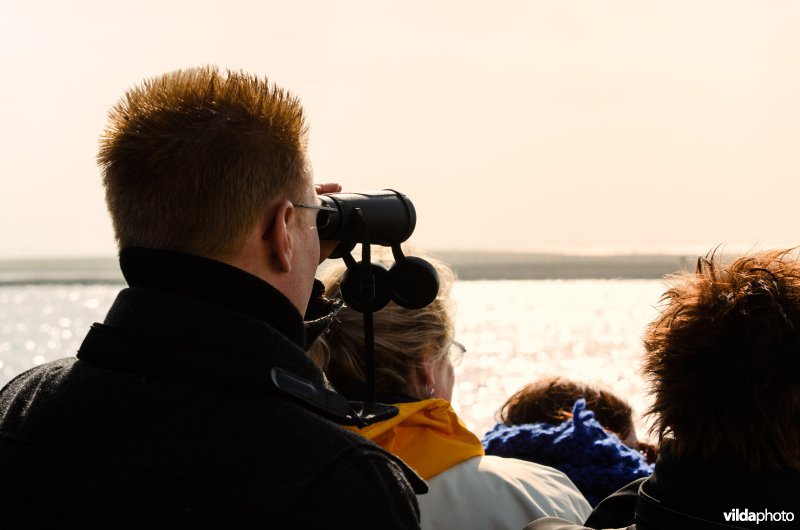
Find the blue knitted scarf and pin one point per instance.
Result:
(594, 459)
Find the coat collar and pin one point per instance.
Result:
(214, 282)
(199, 321)
(709, 488)
(427, 435)
(162, 336)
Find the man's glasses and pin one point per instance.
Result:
(320, 207)
(322, 218)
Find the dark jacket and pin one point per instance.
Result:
(167, 420)
(696, 495)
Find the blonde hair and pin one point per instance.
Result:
(191, 158)
(404, 340)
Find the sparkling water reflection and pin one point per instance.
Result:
(518, 331)
(40, 323)
(514, 331)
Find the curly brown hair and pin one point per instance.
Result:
(723, 360)
(551, 400)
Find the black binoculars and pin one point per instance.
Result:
(385, 218)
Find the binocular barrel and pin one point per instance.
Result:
(384, 217)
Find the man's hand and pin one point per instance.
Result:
(326, 247)
(330, 187)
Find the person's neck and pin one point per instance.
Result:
(254, 257)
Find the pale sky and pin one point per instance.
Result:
(581, 127)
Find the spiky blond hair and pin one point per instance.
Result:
(192, 157)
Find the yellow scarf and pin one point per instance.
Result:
(427, 435)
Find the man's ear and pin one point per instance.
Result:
(279, 236)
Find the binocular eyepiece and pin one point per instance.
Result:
(385, 218)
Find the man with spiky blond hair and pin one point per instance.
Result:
(194, 405)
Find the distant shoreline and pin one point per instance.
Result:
(103, 270)
(508, 266)
(468, 266)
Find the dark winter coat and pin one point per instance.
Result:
(693, 494)
(167, 419)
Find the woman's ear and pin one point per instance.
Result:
(279, 236)
(426, 372)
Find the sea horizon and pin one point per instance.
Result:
(469, 265)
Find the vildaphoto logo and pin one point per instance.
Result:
(742, 516)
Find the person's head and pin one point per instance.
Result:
(412, 346)
(550, 400)
(723, 360)
(209, 163)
